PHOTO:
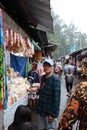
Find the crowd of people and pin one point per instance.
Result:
(49, 101)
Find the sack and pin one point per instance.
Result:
(69, 79)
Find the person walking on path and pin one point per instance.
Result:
(76, 110)
(49, 98)
(57, 71)
(69, 80)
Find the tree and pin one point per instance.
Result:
(65, 37)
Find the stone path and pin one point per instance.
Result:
(64, 98)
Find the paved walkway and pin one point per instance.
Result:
(64, 98)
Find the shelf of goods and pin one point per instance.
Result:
(9, 112)
(17, 95)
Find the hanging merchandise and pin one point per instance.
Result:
(1, 76)
(28, 51)
(16, 43)
(1, 62)
(13, 80)
(38, 55)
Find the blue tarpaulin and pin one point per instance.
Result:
(19, 64)
(1, 32)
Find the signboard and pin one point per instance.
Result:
(73, 48)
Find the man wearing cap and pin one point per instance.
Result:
(49, 98)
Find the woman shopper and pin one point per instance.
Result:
(57, 71)
(69, 80)
(76, 110)
(22, 114)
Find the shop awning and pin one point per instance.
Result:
(38, 35)
(50, 47)
(28, 13)
(36, 46)
(77, 52)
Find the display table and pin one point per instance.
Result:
(9, 112)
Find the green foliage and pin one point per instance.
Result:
(65, 37)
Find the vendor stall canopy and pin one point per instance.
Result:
(29, 13)
(50, 47)
(77, 52)
(36, 47)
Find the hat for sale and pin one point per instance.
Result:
(49, 61)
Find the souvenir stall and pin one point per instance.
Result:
(79, 58)
(17, 85)
(15, 49)
(77, 55)
(23, 14)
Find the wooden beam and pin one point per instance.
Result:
(27, 13)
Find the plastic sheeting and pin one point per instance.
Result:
(1, 29)
(19, 64)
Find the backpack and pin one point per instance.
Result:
(69, 78)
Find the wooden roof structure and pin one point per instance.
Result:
(50, 47)
(33, 16)
(78, 52)
(29, 13)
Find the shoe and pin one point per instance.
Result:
(68, 95)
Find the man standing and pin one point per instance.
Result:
(49, 98)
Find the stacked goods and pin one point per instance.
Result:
(11, 73)
(17, 86)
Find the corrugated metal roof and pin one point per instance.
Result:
(41, 12)
(27, 13)
(77, 52)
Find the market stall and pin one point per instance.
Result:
(15, 49)
(17, 84)
(19, 45)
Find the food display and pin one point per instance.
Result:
(16, 43)
(17, 86)
(34, 88)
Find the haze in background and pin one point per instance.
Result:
(74, 11)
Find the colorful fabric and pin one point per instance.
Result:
(1, 62)
(76, 109)
(49, 96)
(5, 82)
(1, 75)
(1, 29)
